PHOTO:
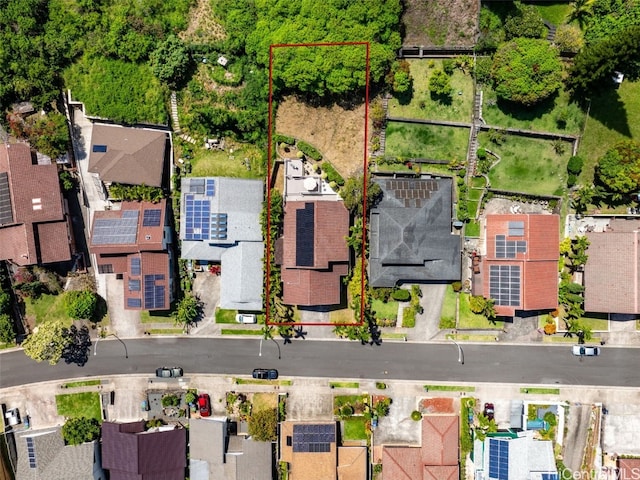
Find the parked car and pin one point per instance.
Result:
(204, 404)
(246, 318)
(265, 373)
(585, 350)
(489, 411)
(374, 421)
(166, 372)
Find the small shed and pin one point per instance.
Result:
(222, 60)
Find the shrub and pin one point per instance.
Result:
(332, 173)
(457, 286)
(550, 328)
(5, 302)
(448, 65)
(409, 317)
(574, 165)
(416, 416)
(283, 139)
(309, 151)
(382, 294)
(7, 332)
(346, 411)
(440, 84)
(80, 305)
(170, 400)
(477, 303)
(572, 180)
(401, 295)
(481, 154)
(483, 70)
(381, 385)
(559, 146)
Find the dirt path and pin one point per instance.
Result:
(336, 132)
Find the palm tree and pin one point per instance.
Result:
(582, 10)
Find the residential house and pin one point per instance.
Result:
(128, 155)
(220, 222)
(612, 271)
(437, 457)
(43, 455)
(519, 267)
(215, 454)
(311, 452)
(131, 452)
(411, 238)
(34, 220)
(315, 255)
(518, 457)
(133, 243)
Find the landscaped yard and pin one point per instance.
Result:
(355, 428)
(542, 117)
(468, 319)
(424, 107)
(74, 405)
(46, 307)
(528, 165)
(228, 163)
(614, 116)
(408, 140)
(384, 310)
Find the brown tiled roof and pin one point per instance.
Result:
(628, 468)
(307, 466)
(133, 155)
(352, 463)
(129, 454)
(318, 282)
(538, 266)
(612, 272)
(35, 200)
(440, 440)
(401, 463)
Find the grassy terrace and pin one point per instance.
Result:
(528, 165)
(46, 307)
(541, 117)
(426, 141)
(422, 106)
(555, 12)
(218, 163)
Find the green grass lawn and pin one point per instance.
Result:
(613, 116)
(341, 400)
(240, 331)
(555, 12)
(422, 106)
(595, 324)
(478, 182)
(475, 193)
(468, 319)
(448, 312)
(264, 401)
(74, 405)
(541, 391)
(473, 207)
(46, 307)
(472, 229)
(449, 388)
(165, 331)
(224, 163)
(83, 383)
(540, 117)
(409, 140)
(225, 316)
(528, 165)
(384, 310)
(355, 428)
(156, 316)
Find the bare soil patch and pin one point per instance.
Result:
(436, 405)
(336, 132)
(203, 26)
(436, 23)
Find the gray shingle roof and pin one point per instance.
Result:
(410, 233)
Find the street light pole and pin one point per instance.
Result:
(460, 352)
(277, 345)
(95, 347)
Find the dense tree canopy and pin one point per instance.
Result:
(316, 70)
(76, 431)
(170, 61)
(619, 169)
(525, 22)
(526, 71)
(47, 342)
(80, 305)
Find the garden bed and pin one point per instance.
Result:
(472, 321)
(409, 140)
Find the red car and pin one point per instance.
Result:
(204, 404)
(489, 411)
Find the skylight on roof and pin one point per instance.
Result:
(99, 148)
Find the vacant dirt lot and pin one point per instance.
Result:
(336, 132)
(440, 22)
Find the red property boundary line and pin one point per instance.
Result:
(364, 189)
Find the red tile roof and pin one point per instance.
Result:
(538, 265)
(39, 232)
(612, 272)
(440, 440)
(401, 463)
(628, 468)
(318, 283)
(448, 472)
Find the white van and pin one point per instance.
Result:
(246, 318)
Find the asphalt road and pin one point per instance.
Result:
(528, 365)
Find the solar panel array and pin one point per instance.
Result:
(134, 302)
(151, 218)
(508, 248)
(31, 451)
(516, 229)
(219, 226)
(116, 231)
(153, 293)
(504, 284)
(305, 231)
(6, 213)
(198, 218)
(313, 438)
(549, 476)
(498, 459)
(210, 187)
(134, 269)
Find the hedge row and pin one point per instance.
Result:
(277, 139)
(309, 151)
(332, 173)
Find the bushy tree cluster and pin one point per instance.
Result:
(47, 342)
(80, 304)
(619, 169)
(76, 431)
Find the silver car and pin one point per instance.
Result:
(585, 350)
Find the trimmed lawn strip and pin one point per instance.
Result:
(470, 320)
(255, 381)
(384, 310)
(614, 116)
(422, 106)
(163, 316)
(540, 390)
(448, 312)
(75, 405)
(472, 229)
(448, 388)
(400, 336)
(345, 385)
(165, 331)
(540, 117)
(528, 165)
(46, 307)
(568, 340)
(410, 140)
(460, 337)
(214, 163)
(355, 428)
(225, 316)
(84, 383)
(240, 331)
